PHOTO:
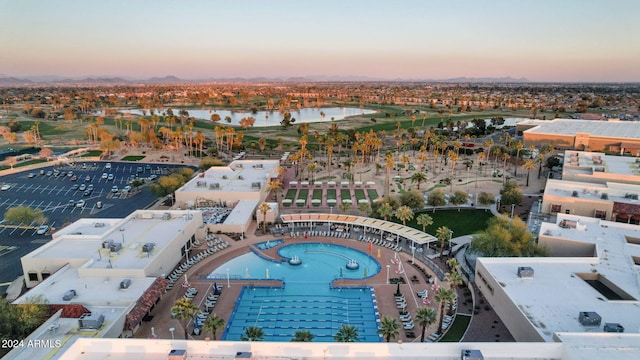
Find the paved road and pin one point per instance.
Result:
(52, 194)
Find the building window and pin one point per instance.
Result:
(33, 276)
(567, 211)
(555, 208)
(600, 214)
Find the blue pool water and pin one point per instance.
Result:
(268, 244)
(307, 301)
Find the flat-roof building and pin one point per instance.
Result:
(609, 201)
(594, 270)
(104, 275)
(599, 168)
(238, 187)
(593, 135)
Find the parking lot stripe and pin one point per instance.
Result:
(47, 207)
(52, 189)
(23, 185)
(35, 188)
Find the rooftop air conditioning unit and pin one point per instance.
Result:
(471, 355)
(525, 272)
(589, 318)
(148, 247)
(574, 194)
(604, 196)
(107, 244)
(115, 247)
(613, 327)
(124, 284)
(90, 321)
(166, 216)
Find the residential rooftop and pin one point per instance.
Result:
(613, 192)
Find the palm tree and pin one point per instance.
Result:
(344, 206)
(389, 165)
(443, 296)
(252, 333)
(454, 278)
(347, 333)
(443, 233)
(264, 208)
(425, 317)
(389, 328)
(518, 146)
(275, 186)
(184, 310)
(213, 324)
(453, 263)
(453, 157)
(364, 208)
(385, 210)
(303, 336)
(404, 213)
(425, 220)
(418, 178)
(528, 165)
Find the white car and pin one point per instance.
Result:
(80, 203)
(42, 230)
(105, 175)
(126, 189)
(114, 189)
(5, 187)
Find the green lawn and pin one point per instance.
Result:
(457, 329)
(331, 194)
(463, 222)
(92, 153)
(373, 195)
(359, 195)
(30, 162)
(133, 158)
(291, 195)
(345, 194)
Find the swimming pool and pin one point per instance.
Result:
(268, 244)
(307, 301)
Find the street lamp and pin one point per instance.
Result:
(513, 206)
(388, 267)
(228, 283)
(171, 330)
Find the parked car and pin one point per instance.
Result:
(31, 175)
(74, 187)
(114, 189)
(105, 175)
(99, 204)
(5, 187)
(72, 203)
(108, 166)
(42, 230)
(110, 177)
(74, 178)
(87, 178)
(87, 192)
(80, 203)
(126, 189)
(83, 187)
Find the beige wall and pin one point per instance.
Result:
(558, 247)
(52, 265)
(517, 322)
(577, 205)
(558, 141)
(184, 199)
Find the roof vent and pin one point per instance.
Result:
(574, 194)
(525, 272)
(243, 355)
(604, 196)
(589, 318)
(124, 284)
(471, 355)
(177, 354)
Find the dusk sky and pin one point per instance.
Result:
(543, 40)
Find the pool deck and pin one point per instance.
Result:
(162, 320)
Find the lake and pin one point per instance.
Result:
(304, 115)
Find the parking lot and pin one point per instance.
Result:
(56, 191)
